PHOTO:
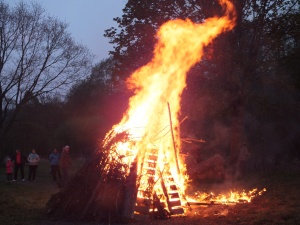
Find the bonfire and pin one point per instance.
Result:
(138, 169)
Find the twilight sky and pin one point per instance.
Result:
(87, 20)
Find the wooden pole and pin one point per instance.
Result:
(174, 145)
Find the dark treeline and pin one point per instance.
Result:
(243, 97)
(244, 94)
(80, 120)
(38, 58)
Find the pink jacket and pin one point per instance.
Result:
(9, 165)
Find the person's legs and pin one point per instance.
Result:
(58, 172)
(30, 172)
(53, 169)
(22, 171)
(63, 173)
(17, 166)
(34, 169)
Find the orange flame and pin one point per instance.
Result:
(232, 197)
(147, 121)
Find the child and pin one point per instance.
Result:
(9, 169)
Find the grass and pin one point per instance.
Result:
(23, 203)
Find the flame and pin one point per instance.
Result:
(232, 197)
(152, 128)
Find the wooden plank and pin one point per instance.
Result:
(175, 203)
(177, 211)
(173, 195)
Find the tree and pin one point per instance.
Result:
(92, 107)
(243, 78)
(37, 126)
(37, 56)
(240, 76)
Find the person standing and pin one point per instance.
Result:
(19, 161)
(9, 169)
(65, 163)
(33, 161)
(54, 163)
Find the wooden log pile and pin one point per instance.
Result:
(102, 190)
(88, 195)
(95, 192)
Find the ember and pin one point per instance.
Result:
(233, 197)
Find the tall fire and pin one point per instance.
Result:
(151, 122)
(138, 168)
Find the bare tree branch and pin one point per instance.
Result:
(37, 56)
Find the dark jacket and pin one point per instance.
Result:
(23, 159)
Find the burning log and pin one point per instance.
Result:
(100, 190)
(232, 198)
(173, 139)
(158, 210)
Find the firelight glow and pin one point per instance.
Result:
(159, 83)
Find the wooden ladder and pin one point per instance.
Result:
(169, 201)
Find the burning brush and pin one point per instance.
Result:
(138, 168)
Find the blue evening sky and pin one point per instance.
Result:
(87, 20)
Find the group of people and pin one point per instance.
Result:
(60, 164)
(18, 161)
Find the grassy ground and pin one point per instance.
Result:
(23, 203)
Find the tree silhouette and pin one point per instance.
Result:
(37, 56)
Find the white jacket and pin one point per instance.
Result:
(33, 159)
